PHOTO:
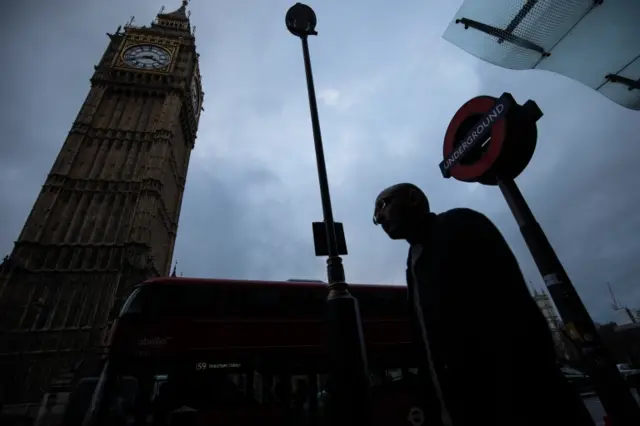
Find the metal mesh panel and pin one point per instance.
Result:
(580, 39)
(498, 14)
(542, 23)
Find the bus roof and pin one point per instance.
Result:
(237, 282)
(251, 298)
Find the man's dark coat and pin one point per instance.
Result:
(489, 344)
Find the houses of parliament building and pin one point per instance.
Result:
(107, 215)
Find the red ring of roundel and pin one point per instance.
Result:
(480, 105)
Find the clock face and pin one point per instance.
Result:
(147, 57)
(195, 95)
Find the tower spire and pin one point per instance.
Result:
(180, 13)
(176, 20)
(175, 268)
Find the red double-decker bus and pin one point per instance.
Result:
(226, 352)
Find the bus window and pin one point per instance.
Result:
(393, 394)
(300, 302)
(373, 303)
(399, 394)
(180, 389)
(215, 387)
(228, 393)
(162, 300)
(393, 374)
(257, 387)
(202, 301)
(151, 300)
(259, 302)
(132, 304)
(272, 302)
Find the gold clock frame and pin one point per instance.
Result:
(198, 84)
(169, 45)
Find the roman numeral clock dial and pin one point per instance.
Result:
(146, 57)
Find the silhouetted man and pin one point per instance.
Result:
(489, 353)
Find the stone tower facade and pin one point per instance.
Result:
(107, 215)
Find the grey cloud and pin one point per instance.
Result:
(222, 235)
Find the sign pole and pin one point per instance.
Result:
(349, 371)
(611, 388)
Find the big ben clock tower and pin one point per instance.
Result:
(107, 215)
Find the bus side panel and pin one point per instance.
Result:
(175, 335)
(397, 403)
(262, 415)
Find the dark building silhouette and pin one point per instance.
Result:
(107, 215)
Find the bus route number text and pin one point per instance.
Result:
(201, 366)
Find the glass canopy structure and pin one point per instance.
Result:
(595, 42)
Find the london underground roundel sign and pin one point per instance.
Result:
(490, 138)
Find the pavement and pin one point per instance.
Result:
(593, 404)
(595, 408)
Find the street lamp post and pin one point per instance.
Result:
(346, 350)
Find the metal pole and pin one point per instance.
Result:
(336, 274)
(612, 390)
(348, 367)
(347, 354)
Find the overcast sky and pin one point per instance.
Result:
(387, 83)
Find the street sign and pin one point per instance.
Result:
(479, 132)
(320, 239)
(488, 137)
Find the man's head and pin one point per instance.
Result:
(399, 210)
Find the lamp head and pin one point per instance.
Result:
(301, 20)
